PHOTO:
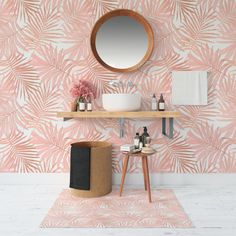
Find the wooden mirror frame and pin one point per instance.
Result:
(137, 17)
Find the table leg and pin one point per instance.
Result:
(125, 165)
(144, 174)
(147, 178)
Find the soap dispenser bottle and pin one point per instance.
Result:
(161, 103)
(140, 142)
(89, 105)
(154, 103)
(144, 136)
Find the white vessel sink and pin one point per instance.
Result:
(121, 102)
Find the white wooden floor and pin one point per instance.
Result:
(22, 208)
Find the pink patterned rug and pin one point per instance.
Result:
(132, 210)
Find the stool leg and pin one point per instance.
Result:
(144, 174)
(125, 165)
(147, 178)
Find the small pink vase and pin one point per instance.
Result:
(73, 105)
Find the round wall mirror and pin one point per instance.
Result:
(122, 40)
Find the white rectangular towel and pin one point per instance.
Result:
(189, 87)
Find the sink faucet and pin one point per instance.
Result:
(130, 84)
(115, 83)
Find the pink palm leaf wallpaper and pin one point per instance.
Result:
(45, 48)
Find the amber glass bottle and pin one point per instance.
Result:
(161, 103)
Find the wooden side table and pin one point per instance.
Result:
(145, 170)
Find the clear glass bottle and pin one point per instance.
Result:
(81, 104)
(136, 141)
(89, 105)
(154, 103)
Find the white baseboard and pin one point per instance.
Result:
(162, 179)
(168, 179)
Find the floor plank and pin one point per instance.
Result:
(212, 211)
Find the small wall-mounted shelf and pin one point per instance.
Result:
(128, 114)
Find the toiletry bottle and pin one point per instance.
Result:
(144, 135)
(89, 105)
(81, 104)
(136, 141)
(161, 103)
(140, 142)
(154, 103)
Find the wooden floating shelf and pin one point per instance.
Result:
(124, 114)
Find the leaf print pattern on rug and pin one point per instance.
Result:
(132, 210)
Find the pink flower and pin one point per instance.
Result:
(83, 89)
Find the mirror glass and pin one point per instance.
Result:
(119, 36)
(122, 40)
